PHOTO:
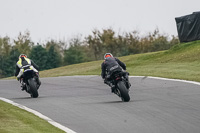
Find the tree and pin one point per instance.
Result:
(53, 58)
(132, 42)
(109, 41)
(58, 46)
(75, 53)
(5, 46)
(24, 43)
(39, 55)
(95, 44)
(8, 63)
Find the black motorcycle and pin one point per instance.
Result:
(120, 85)
(29, 83)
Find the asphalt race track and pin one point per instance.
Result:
(85, 105)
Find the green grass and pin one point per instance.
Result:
(16, 120)
(180, 62)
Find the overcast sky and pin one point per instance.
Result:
(58, 19)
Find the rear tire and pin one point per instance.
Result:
(124, 91)
(33, 88)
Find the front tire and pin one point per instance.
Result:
(124, 91)
(33, 88)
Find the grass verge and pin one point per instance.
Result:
(16, 120)
(180, 62)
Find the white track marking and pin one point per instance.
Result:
(39, 115)
(67, 129)
(179, 80)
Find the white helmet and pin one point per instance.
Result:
(22, 55)
(108, 55)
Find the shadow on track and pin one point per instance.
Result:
(28, 97)
(111, 102)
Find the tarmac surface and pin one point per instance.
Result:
(86, 105)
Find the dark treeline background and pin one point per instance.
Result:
(55, 53)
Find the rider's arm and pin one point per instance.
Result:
(121, 63)
(34, 65)
(17, 70)
(103, 70)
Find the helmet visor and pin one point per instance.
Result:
(107, 56)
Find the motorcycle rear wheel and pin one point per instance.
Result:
(33, 88)
(123, 91)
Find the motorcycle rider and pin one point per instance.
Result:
(110, 65)
(25, 64)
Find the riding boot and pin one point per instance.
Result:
(113, 89)
(111, 85)
(23, 86)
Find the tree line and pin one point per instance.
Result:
(55, 53)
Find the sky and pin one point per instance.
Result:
(65, 19)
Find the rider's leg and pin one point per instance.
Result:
(20, 73)
(109, 83)
(23, 85)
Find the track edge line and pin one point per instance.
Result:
(179, 80)
(39, 115)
